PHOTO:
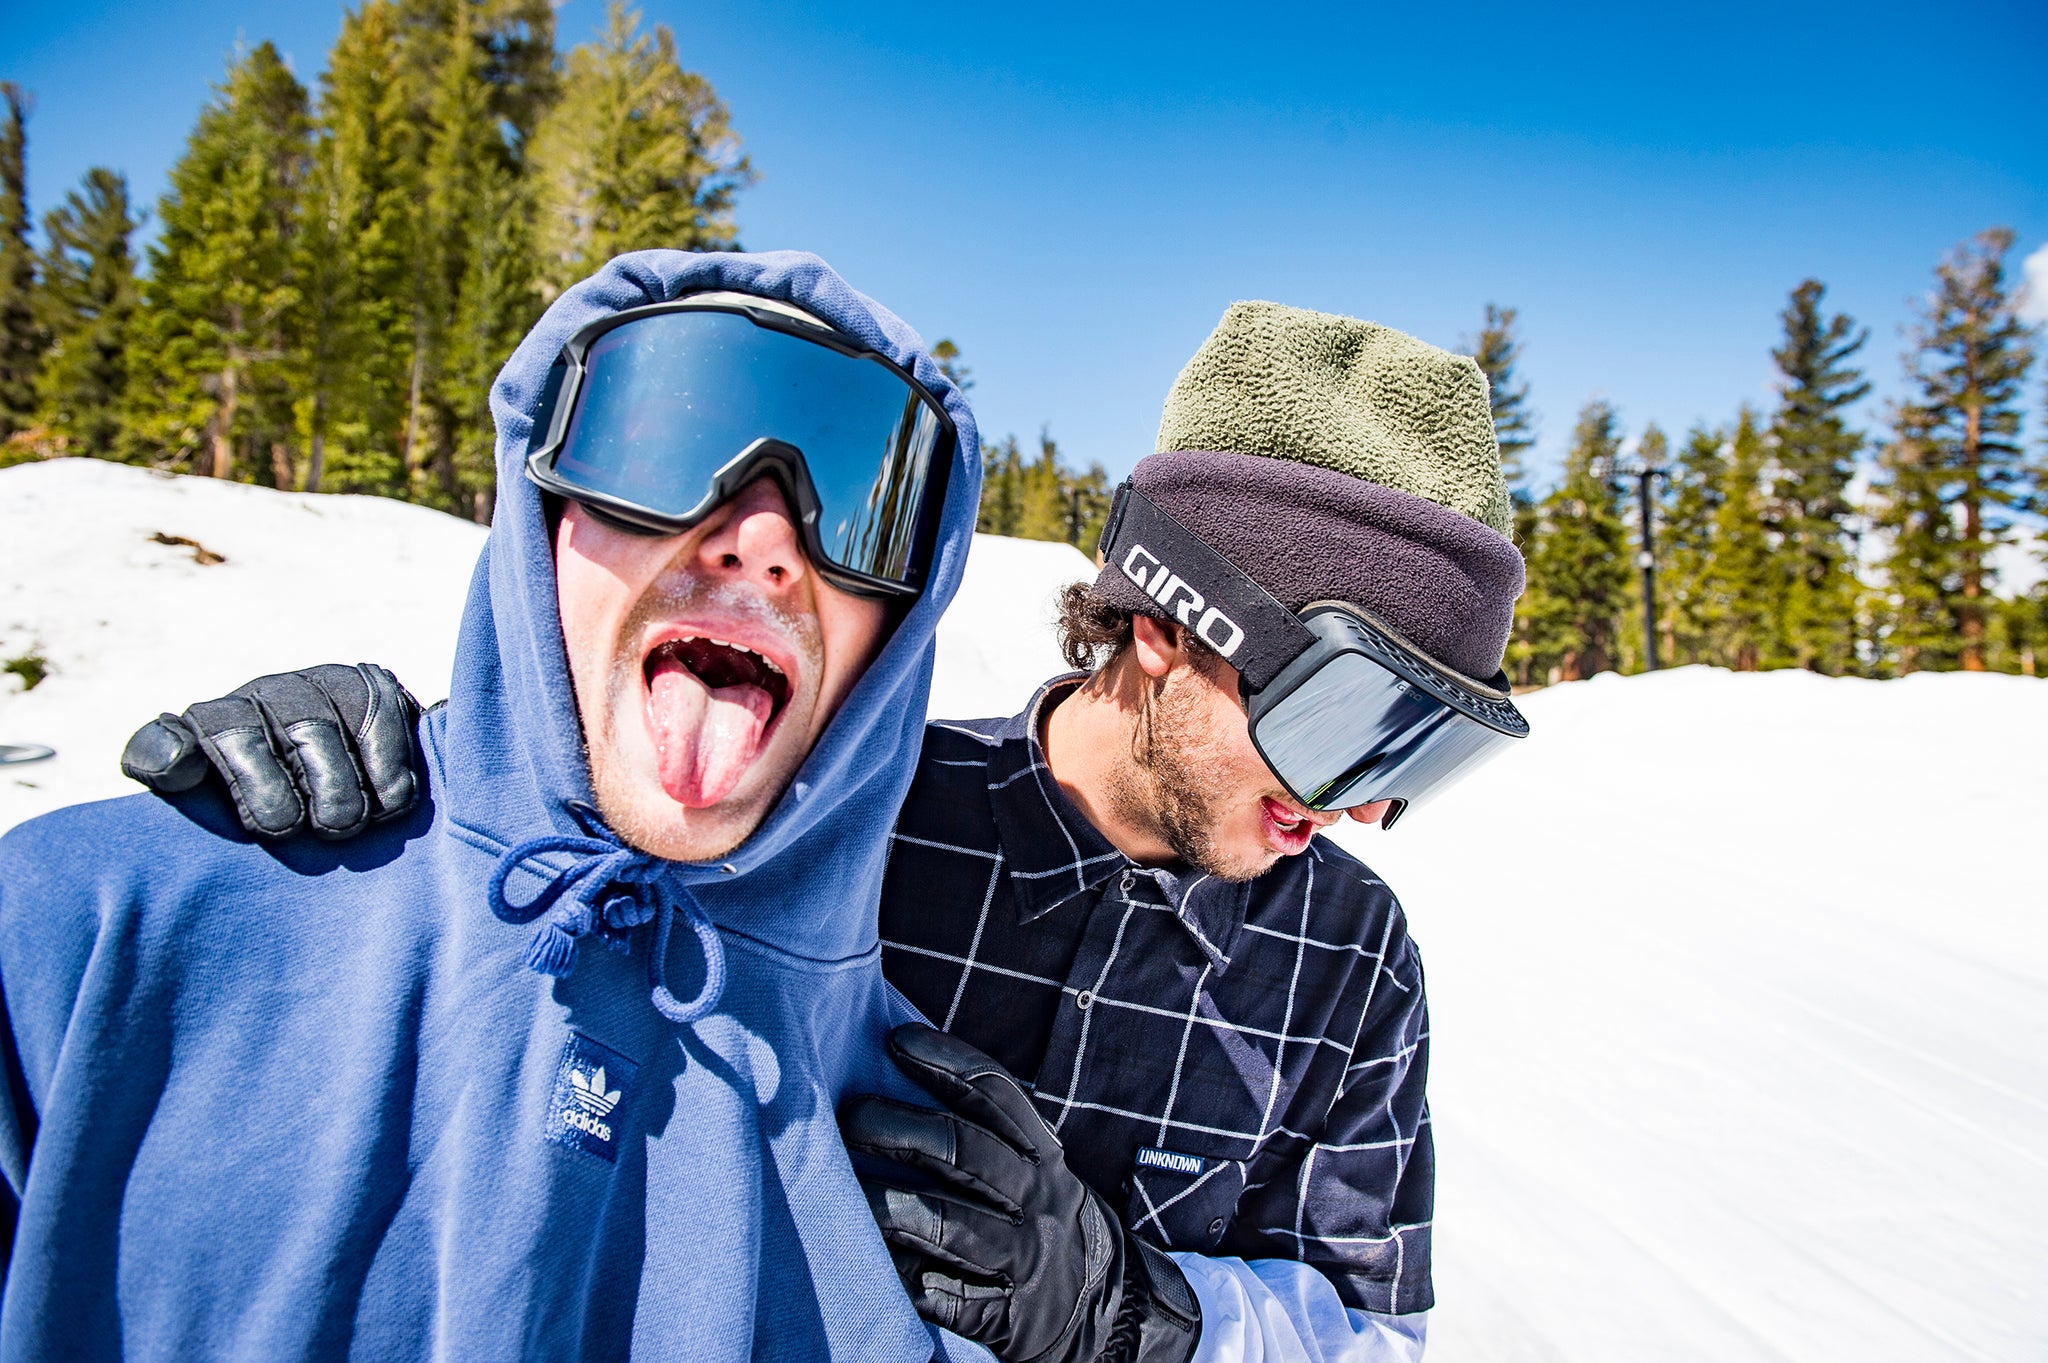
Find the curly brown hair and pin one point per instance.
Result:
(1093, 630)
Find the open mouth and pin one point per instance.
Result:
(710, 706)
(1287, 830)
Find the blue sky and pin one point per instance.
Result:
(1073, 193)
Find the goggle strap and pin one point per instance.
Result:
(1201, 588)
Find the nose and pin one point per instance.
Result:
(755, 541)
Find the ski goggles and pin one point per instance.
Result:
(1341, 707)
(654, 416)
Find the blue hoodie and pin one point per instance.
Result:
(312, 1100)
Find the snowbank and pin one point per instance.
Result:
(1739, 983)
(131, 626)
(1739, 1001)
(996, 640)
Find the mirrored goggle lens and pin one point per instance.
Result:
(669, 400)
(1354, 733)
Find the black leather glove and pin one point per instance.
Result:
(1000, 1241)
(330, 746)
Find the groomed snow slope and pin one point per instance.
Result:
(1739, 1012)
(1739, 983)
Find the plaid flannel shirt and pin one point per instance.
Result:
(1239, 1068)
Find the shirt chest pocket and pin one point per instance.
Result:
(1181, 1201)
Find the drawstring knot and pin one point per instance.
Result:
(610, 890)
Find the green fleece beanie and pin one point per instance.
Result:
(1350, 396)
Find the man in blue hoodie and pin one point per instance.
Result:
(459, 1086)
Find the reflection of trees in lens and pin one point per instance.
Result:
(879, 542)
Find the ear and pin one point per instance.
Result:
(1156, 644)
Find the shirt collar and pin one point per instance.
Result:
(1054, 853)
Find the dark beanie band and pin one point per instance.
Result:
(1306, 533)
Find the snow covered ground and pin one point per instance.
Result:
(1739, 983)
(1739, 1007)
(131, 627)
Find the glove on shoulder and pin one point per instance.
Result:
(328, 747)
(998, 1240)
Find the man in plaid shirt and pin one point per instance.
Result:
(1115, 901)
(1238, 1065)
(1114, 896)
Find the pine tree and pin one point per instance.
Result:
(1002, 468)
(496, 304)
(462, 149)
(87, 305)
(209, 371)
(2019, 633)
(1690, 508)
(1815, 454)
(360, 231)
(1916, 628)
(510, 44)
(1497, 351)
(637, 153)
(946, 355)
(1743, 582)
(479, 78)
(1089, 495)
(1956, 452)
(1042, 499)
(1578, 565)
(1042, 506)
(21, 340)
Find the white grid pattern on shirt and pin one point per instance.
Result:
(1327, 1163)
(1088, 1019)
(995, 878)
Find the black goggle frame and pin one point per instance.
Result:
(777, 460)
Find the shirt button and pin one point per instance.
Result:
(1130, 879)
(1084, 1000)
(1216, 1226)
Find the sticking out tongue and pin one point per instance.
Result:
(707, 711)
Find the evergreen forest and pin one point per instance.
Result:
(336, 273)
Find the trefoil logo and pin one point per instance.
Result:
(589, 1092)
(592, 1084)
(591, 1104)
(1170, 590)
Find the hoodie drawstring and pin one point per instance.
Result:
(665, 1003)
(609, 890)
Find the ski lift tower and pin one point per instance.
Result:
(1646, 558)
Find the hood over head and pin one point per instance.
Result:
(808, 880)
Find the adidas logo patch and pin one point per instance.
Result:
(591, 1083)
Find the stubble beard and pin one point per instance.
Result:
(1172, 784)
